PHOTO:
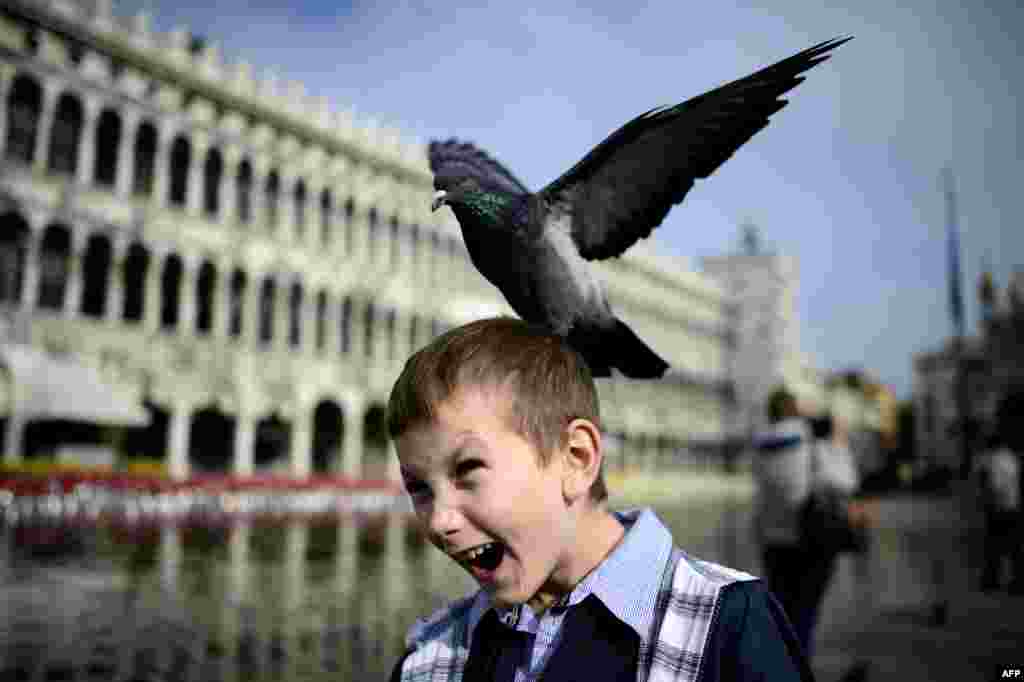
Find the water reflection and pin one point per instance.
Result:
(304, 598)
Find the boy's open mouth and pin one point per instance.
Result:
(483, 560)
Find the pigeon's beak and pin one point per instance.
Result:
(439, 200)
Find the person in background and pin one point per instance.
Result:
(998, 473)
(798, 574)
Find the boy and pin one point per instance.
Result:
(497, 429)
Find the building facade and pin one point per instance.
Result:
(991, 361)
(767, 352)
(253, 267)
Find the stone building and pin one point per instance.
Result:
(991, 360)
(252, 266)
(767, 353)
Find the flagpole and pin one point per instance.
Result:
(957, 315)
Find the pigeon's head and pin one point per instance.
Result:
(454, 190)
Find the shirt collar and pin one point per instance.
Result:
(626, 582)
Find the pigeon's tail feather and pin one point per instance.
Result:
(617, 347)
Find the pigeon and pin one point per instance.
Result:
(535, 247)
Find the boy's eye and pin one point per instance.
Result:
(415, 488)
(466, 466)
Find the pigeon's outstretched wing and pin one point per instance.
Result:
(626, 185)
(456, 158)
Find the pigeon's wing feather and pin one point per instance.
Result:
(452, 157)
(624, 188)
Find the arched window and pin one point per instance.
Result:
(300, 208)
(243, 187)
(95, 271)
(368, 330)
(345, 326)
(170, 288)
(108, 141)
(393, 242)
(350, 211)
(237, 305)
(389, 330)
(321, 320)
(270, 205)
(326, 208)
(266, 334)
(295, 316)
(145, 159)
(205, 286)
(135, 265)
(212, 171)
(14, 235)
(54, 254)
(23, 106)
(67, 128)
(181, 158)
(371, 220)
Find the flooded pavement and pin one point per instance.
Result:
(331, 598)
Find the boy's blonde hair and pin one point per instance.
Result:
(549, 383)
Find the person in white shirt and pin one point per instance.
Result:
(798, 574)
(998, 471)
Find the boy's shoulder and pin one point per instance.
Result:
(443, 622)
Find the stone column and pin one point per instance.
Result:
(196, 198)
(302, 442)
(357, 330)
(315, 217)
(307, 321)
(257, 195)
(30, 282)
(14, 432)
(282, 325)
(187, 296)
(162, 165)
(352, 445)
(358, 235)
(221, 305)
(45, 129)
(286, 206)
(87, 141)
(114, 310)
(178, 432)
(152, 294)
(245, 441)
(126, 153)
(400, 342)
(332, 323)
(231, 156)
(7, 73)
(73, 290)
(250, 310)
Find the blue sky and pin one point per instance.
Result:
(846, 177)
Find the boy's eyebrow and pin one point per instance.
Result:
(470, 441)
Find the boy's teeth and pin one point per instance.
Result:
(474, 553)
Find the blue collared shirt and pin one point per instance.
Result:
(626, 582)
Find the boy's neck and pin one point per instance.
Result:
(599, 533)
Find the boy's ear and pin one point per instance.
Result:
(583, 456)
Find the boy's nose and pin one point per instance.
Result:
(443, 522)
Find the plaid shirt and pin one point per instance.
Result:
(666, 596)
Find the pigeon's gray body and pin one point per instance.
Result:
(534, 247)
(536, 266)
